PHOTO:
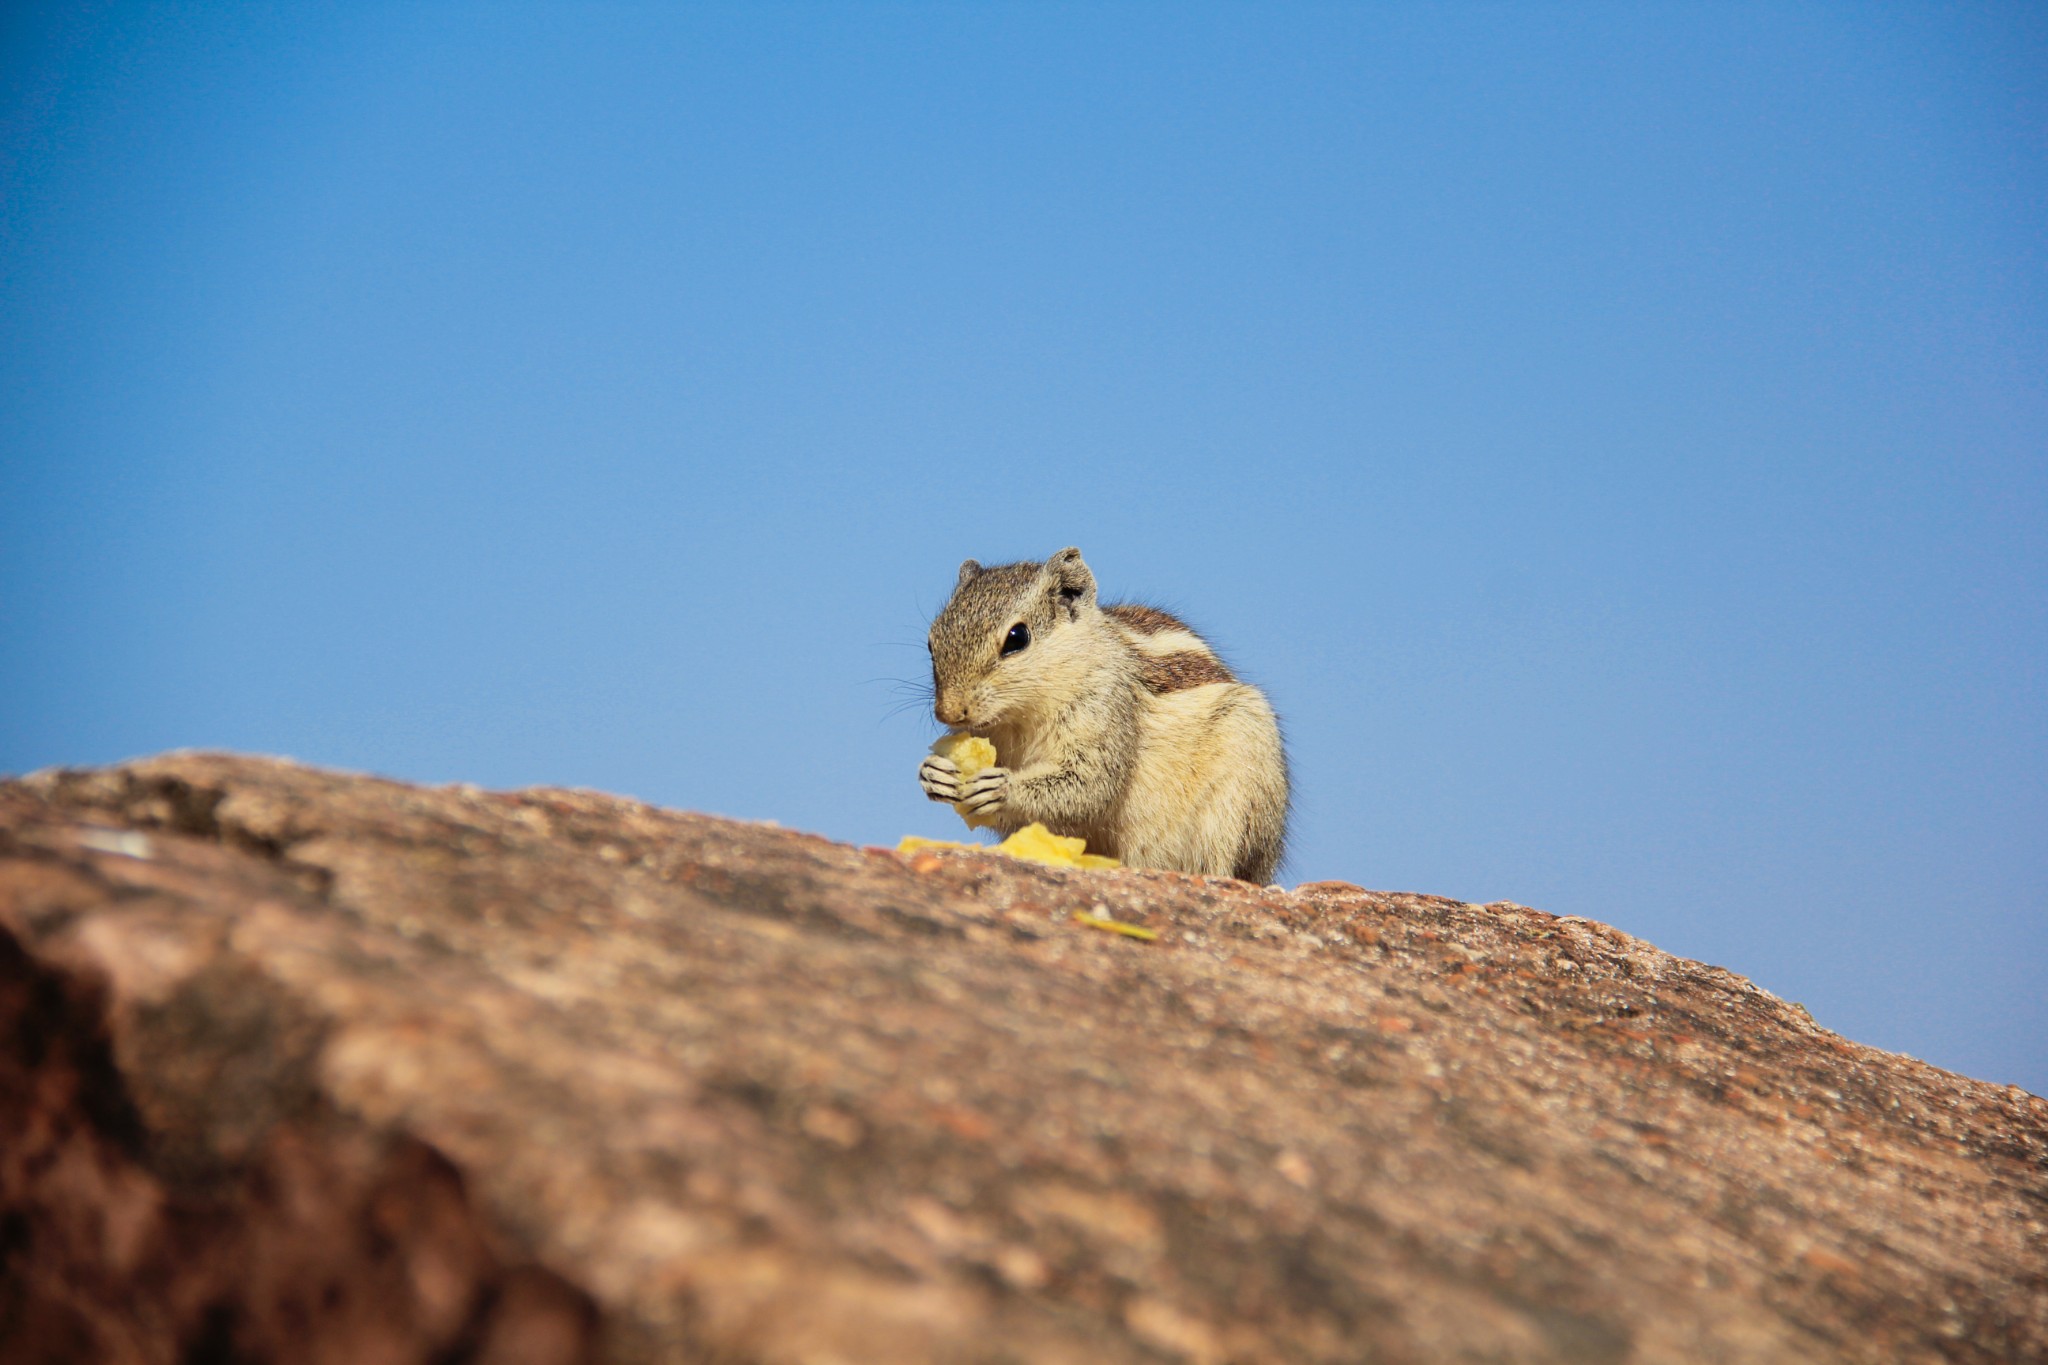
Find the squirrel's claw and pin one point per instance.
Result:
(940, 778)
(986, 792)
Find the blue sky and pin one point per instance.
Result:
(1618, 439)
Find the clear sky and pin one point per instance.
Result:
(1616, 437)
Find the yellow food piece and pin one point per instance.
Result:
(1041, 845)
(910, 843)
(1034, 843)
(970, 754)
(1116, 926)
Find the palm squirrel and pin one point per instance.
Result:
(1117, 724)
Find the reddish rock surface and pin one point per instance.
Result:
(301, 1066)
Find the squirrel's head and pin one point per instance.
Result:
(1006, 635)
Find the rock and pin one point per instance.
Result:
(301, 1066)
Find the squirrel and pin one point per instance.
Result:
(1115, 723)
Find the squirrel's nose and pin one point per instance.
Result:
(949, 711)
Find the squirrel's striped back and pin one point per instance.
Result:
(1171, 656)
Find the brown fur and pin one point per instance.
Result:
(1144, 620)
(1177, 672)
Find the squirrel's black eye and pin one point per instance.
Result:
(1019, 636)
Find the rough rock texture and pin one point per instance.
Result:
(311, 1067)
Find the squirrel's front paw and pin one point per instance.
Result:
(983, 795)
(940, 778)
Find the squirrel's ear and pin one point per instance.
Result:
(1071, 581)
(968, 569)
